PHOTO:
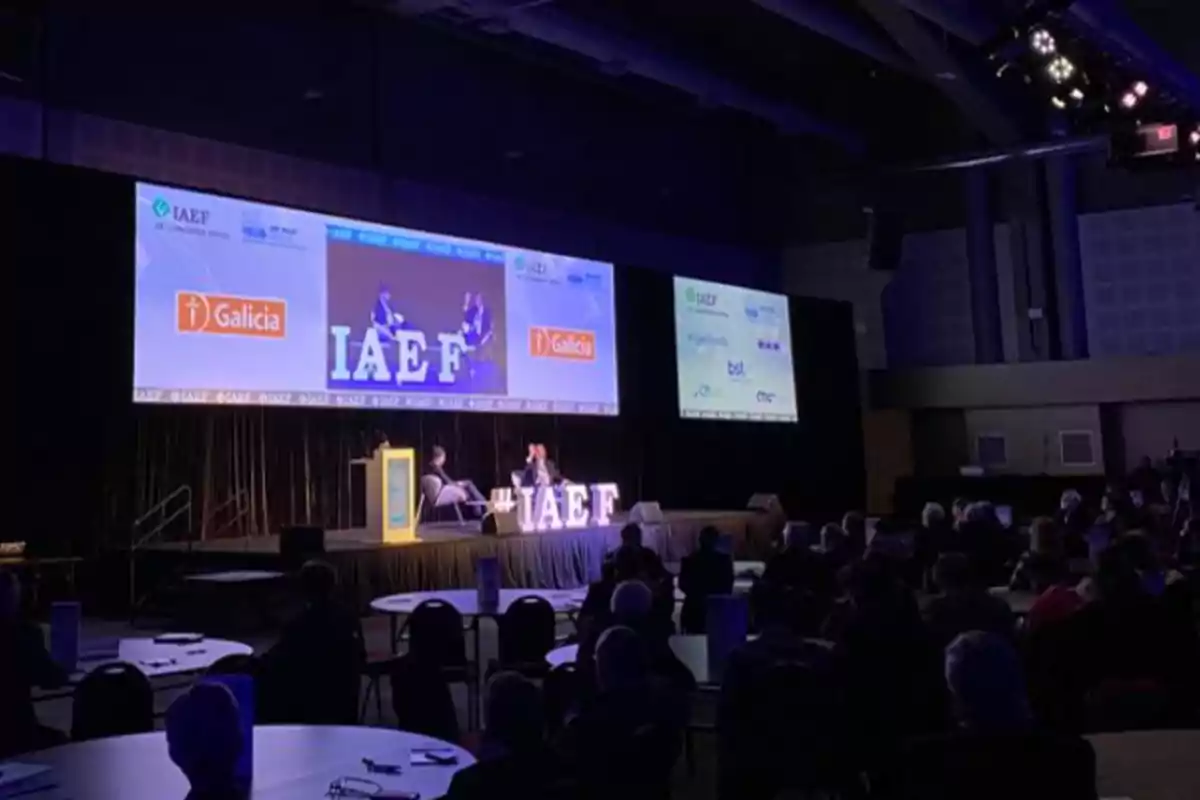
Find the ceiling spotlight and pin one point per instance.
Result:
(1194, 138)
(1129, 100)
(1060, 69)
(1042, 42)
(1077, 94)
(1058, 102)
(1139, 88)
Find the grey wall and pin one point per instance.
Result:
(1150, 429)
(1032, 437)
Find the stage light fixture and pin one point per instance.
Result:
(1077, 94)
(1061, 69)
(1139, 88)
(1058, 102)
(1042, 42)
(1129, 100)
(1194, 138)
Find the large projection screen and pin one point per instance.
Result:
(733, 349)
(251, 304)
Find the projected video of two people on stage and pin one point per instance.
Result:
(409, 321)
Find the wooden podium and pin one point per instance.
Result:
(390, 488)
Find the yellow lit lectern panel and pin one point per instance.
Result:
(391, 489)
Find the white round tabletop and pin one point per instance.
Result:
(467, 600)
(567, 654)
(289, 761)
(157, 660)
(1148, 765)
(236, 576)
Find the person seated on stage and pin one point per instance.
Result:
(454, 491)
(24, 664)
(998, 751)
(514, 758)
(702, 574)
(625, 742)
(384, 320)
(540, 470)
(312, 672)
(204, 739)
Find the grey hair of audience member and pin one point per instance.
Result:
(204, 736)
(514, 712)
(984, 675)
(1070, 500)
(932, 514)
(620, 660)
(833, 538)
(797, 535)
(631, 600)
(10, 594)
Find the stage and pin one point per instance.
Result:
(444, 554)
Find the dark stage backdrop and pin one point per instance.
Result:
(86, 461)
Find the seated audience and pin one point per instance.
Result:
(997, 751)
(322, 648)
(24, 664)
(1074, 521)
(833, 547)
(958, 511)
(702, 574)
(204, 739)
(1123, 660)
(1145, 479)
(990, 548)
(890, 666)
(933, 537)
(625, 741)
(796, 566)
(780, 716)
(626, 563)
(1045, 548)
(513, 759)
(963, 604)
(855, 526)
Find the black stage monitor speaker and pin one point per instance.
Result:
(500, 523)
(299, 543)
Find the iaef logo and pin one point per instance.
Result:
(161, 207)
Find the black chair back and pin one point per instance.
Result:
(421, 700)
(435, 635)
(526, 632)
(561, 691)
(112, 700)
(234, 665)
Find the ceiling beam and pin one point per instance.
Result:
(620, 54)
(818, 17)
(952, 76)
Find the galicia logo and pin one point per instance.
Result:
(161, 207)
(765, 397)
(736, 369)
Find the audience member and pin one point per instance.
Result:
(787, 733)
(1122, 660)
(958, 511)
(1045, 549)
(963, 604)
(933, 537)
(704, 573)
(796, 566)
(997, 751)
(513, 759)
(833, 547)
(990, 548)
(625, 564)
(323, 647)
(1074, 521)
(855, 526)
(24, 664)
(888, 662)
(625, 742)
(1145, 479)
(204, 739)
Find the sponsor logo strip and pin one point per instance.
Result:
(199, 312)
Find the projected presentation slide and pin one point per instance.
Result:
(733, 347)
(251, 304)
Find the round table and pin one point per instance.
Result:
(289, 761)
(157, 660)
(1148, 765)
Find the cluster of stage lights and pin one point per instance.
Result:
(1064, 73)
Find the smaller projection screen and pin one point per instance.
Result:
(245, 303)
(733, 351)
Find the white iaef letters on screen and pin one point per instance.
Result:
(545, 509)
(411, 366)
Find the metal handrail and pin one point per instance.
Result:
(242, 510)
(136, 543)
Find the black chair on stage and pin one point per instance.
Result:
(112, 700)
(527, 631)
(421, 699)
(436, 639)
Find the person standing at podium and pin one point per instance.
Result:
(460, 491)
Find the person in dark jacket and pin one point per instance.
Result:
(24, 664)
(703, 574)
